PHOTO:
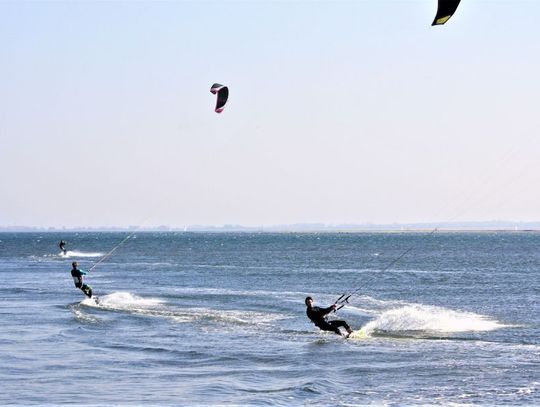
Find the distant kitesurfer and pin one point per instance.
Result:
(318, 317)
(62, 246)
(78, 279)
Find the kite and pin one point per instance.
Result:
(222, 96)
(445, 10)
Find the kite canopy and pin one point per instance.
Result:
(445, 10)
(222, 96)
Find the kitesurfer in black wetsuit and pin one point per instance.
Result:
(78, 279)
(62, 246)
(318, 317)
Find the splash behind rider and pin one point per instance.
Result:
(319, 316)
(78, 279)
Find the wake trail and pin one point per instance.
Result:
(156, 307)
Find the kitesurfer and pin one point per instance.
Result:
(318, 316)
(62, 246)
(78, 279)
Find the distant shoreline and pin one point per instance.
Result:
(473, 227)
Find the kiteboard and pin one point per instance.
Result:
(358, 335)
(91, 301)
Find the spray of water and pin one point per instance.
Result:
(75, 253)
(429, 319)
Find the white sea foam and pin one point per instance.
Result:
(81, 316)
(530, 389)
(430, 319)
(127, 302)
(76, 253)
(123, 301)
(247, 317)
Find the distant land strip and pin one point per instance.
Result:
(299, 227)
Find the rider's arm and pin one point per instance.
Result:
(326, 311)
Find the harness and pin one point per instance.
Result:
(78, 281)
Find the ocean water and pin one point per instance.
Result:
(219, 319)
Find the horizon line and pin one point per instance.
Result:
(297, 227)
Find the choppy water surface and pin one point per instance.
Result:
(198, 319)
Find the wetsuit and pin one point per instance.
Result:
(78, 279)
(318, 317)
(62, 246)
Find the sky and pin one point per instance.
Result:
(339, 112)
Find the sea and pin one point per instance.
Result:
(202, 319)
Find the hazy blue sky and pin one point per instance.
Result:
(340, 111)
